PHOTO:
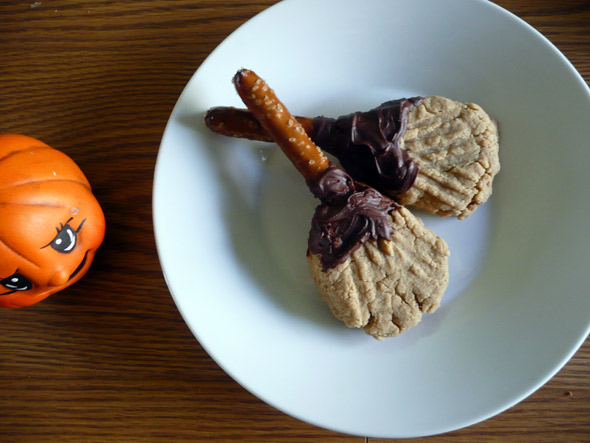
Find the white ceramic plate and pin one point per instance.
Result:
(231, 217)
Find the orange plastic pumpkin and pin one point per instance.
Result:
(50, 222)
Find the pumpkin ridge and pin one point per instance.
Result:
(13, 185)
(18, 253)
(41, 205)
(32, 148)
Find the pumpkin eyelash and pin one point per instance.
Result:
(80, 225)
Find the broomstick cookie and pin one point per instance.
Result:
(431, 153)
(375, 264)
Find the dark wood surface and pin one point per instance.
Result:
(110, 359)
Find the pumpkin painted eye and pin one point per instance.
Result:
(66, 238)
(16, 282)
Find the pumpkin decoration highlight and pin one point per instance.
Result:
(50, 221)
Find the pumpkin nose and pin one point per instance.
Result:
(59, 278)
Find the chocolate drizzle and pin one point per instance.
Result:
(367, 144)
(349, 215)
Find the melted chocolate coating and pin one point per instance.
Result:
(349, 215)
(367, 144)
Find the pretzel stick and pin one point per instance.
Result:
(240, 123)
(367, 144)
(286, 131)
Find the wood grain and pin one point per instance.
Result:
(110, 358)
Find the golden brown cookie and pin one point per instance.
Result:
(386, 286)
(455, 147)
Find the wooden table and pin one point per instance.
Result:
(110, 359)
